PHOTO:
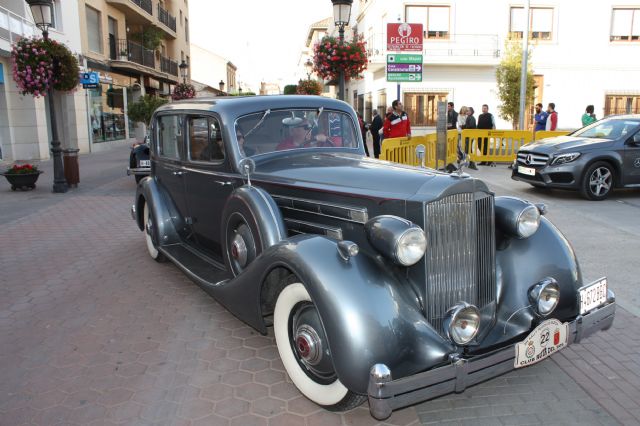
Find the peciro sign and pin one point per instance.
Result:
(403, 37)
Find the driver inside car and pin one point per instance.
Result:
(300, 135)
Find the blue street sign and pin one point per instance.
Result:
(90, 80)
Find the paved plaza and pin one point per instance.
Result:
(94, 332)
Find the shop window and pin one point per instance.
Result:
(435, 20)
(621, 104)
(107, 113)
(422, 108)
(625, 25)
(94, 33)
(540, 23)
(382, 103)
(169, 136)
(368, 108)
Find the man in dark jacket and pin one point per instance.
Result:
(452, 116)
(470, 123)
(376, 125)
(485, 121)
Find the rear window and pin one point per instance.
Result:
(292, 129)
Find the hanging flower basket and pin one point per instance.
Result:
(22, 176)
(40, 64)
(308, 87)
(330, 57)
(183, 91)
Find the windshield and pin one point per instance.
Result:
(279, 130)
(613, 128)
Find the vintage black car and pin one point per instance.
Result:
(595, 159)
(381, 281)
(139, 163)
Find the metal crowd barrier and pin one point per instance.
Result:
(502, 146)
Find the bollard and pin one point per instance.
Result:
(71, 167)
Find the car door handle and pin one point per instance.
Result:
(178, 173)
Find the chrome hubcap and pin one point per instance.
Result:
(239, 250)
(600, 181)
(308, 345)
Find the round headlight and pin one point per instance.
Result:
(545, 296)
(528, 221)
(411, 246)
(462, 323)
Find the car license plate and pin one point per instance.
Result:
(526, 170)
(145, 163)
(593, 295)
(547, 339)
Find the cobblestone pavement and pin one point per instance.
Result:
(94, 332)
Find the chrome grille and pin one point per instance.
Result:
(532, 158)
(460, 257)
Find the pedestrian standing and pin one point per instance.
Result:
(588, 117)
(462, 118)
(540, 118)
(470, 123)
(397, 124)
(552, 119)
(363, 130)
(485, 121)
(452, 117)
(376, 125)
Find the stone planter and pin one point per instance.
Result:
(22, 181)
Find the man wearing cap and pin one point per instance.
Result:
(298, 129)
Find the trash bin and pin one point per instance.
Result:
(71, 167)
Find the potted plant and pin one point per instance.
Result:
(332, 56)
(183, 91)
(123, 55)
(22, 176)
(308, 87)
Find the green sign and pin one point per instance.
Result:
(404, 76)
(404, 59)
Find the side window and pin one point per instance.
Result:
(170, 136)
(205, 139)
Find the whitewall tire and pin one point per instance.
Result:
(149, 228)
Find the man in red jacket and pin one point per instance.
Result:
(397, 124)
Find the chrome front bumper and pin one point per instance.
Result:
(138, 171)
(386, 395)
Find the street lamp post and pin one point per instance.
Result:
(41, 11)
(309, 67)
(341, 16)
(183, 71)
(221, 85)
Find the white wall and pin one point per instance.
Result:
(207, 67)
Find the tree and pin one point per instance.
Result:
(142, 110)
(508, 81)
(290, 89)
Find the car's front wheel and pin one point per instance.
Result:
(149, 231)
(305, 353)
(597, 182)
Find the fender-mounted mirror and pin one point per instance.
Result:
(247, 167)
(420, 150)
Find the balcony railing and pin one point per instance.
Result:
(453, 46)
(136, 53)
(168, 66)
(144, 5)
(13, 27)
(166, 18)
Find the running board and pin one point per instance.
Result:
(203, 270)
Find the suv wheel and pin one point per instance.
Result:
(597, 182)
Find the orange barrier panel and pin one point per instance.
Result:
(502, 144)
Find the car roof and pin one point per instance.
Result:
(239, 105)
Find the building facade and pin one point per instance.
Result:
(213, 70)
(581, 54)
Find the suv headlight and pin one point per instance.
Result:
(397, 239)
(564, 158)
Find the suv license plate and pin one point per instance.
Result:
(526, 171)
(145, 163)
(593, 295)
(547, 339)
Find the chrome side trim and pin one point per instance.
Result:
(388, 395)
(336, 211)
(304, 227)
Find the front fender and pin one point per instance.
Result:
(162, 209)
(368, 315)
(523, 263)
